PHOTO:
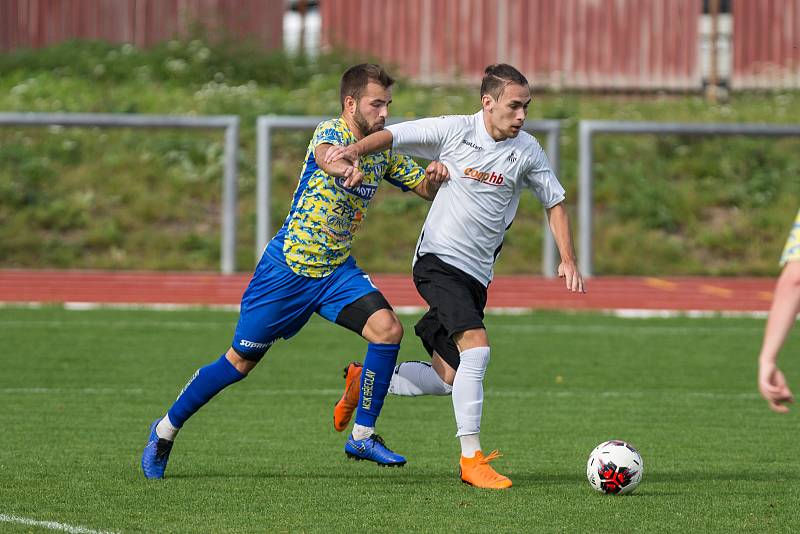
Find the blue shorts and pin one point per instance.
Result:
(278, 302)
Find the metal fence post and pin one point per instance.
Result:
(549, 259)
(586, 179)
(229, 197)
(124, 120)
(585, 199)
(263, 181)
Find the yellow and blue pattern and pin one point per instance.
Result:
(317, 235)
(791, 252)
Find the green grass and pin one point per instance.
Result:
(124, 199)
(78, 390)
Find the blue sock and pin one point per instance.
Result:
(375, 378)
(204, 384)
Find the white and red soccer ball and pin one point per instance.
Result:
(614, 467)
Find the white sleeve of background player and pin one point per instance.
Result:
(541, 179)
(423, 138)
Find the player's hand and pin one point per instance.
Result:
(353, 176)
(773, 387)
(437, 172)
(572, 276)
(335, 153)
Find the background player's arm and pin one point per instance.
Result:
(344, 168)
(785, 305)
(568, 269)
(408, 175)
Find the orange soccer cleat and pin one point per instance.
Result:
(343, 411)
(477, 472)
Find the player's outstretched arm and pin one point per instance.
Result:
(785, 306)
(374, 142)
(568, 269)
(347, 169)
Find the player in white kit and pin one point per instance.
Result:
(490, 161)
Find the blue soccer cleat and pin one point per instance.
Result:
(156, 454)
(373, 449)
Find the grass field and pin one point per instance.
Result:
(79, 389)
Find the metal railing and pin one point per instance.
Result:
(265, 124)
(587, 130)
(230, 123)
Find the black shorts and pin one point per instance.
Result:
(355, 315)
(456, 301)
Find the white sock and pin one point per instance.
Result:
(411, 379)
(362, 432)
(470, 444)
(166, 430)
(468, 396)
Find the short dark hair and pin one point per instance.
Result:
(496, 77)
(355, 80)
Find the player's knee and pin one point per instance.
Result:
(241, 364)
(471, 339)
(392, 332)
(384, 327)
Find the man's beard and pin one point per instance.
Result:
(364, 126)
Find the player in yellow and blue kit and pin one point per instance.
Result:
(307, 268)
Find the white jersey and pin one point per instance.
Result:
(471, 212)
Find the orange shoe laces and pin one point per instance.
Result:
(491, 456)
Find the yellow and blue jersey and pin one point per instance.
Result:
(317, 235)
(791, 252)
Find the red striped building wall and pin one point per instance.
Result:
(766, 44)
(594, 44)
(38, 23)
(597, 44)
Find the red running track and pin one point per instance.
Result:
(211, 289)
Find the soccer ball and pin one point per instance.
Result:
(614, 467)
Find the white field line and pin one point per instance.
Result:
(52, 525)
(57, 323)
(517, 394)
(626, 329)
(566, 328)
(630, 313)
(87, 306)
(80, 391)
(84, 306)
